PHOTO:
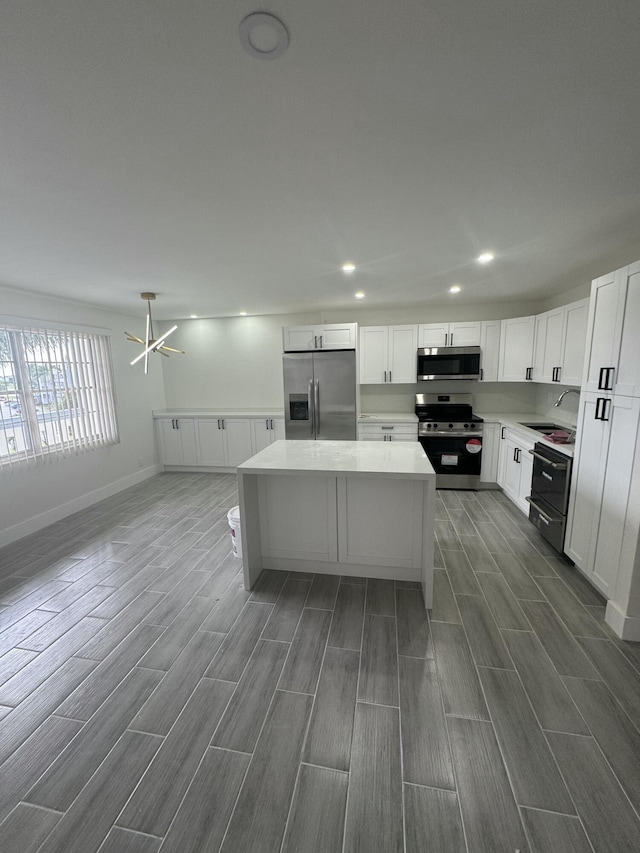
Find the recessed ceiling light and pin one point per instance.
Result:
(359, 295)
(485, 258)
(193, 316)
(455, 288)
(263, 35)
(243, 313)
(348, 268)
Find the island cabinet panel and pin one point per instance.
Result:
(298, 517)
(395, 538)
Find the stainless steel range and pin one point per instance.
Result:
(451, 436)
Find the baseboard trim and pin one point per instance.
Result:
(626, 627)
(38, 522)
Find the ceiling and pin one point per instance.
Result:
(143, 149)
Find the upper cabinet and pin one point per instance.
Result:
(388, 354)
(516, 349)
(466, 334)
(324, 336)
(489, 350)
(613, 333)
(560, 337)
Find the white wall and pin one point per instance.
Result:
(32, 497)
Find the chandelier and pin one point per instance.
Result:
(150, 343)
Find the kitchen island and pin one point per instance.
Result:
(364, 509)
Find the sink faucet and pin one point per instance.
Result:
(564, 394)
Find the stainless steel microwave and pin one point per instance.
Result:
(449, 363)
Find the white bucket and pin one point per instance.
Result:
(233, 516)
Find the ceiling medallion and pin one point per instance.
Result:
(150, 343)
(263, 35)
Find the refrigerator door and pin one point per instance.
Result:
(298, 395)
(334, 388)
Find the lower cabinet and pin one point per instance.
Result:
(515, 467)
(214, 442)
(599, 502)
(490, 453)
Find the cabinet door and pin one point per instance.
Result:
(525, 460)
(604, 329)
(374, 355)
(548, 345)
(502, 456)
(337, 336)
(490, 350)
(433, 335)
(237, 439)
(187, 430)
(277, 430)
(210, 442)
(299, 338)
(169, 441)
(511, 484)
(464, 334)
(403, 346)
(627, 379)
(516, 349)
(490, 452)
(575, 337)
(261, 434)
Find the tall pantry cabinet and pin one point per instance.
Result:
(603, 533)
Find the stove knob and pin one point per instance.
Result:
(435, 426)
(466, 426)
(428, 426)
(473, 426)
(450, 426)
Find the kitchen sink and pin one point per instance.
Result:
(547, 429)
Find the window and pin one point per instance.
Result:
(56, 393)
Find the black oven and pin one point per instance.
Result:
(449, 363)
(549, 499)
(451, 436)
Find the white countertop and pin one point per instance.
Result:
(387, 417)
(397, 459)
(218, 413)
(515, 420)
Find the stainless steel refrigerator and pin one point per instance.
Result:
(320, 395)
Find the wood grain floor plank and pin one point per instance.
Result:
(12, 662)
(432, 817)
(534, 775)
(173, 602)
(324, 590)
(444, 607)
(287, 611)
(348, 617)
(620, 676)
(425, 743)
(520, 581)
(268, 586)
(380, 599)
(316, 822)
(489, 813)
(159, 794)
(116, 629)
(302, 669)
(123, 841)
(485, 639)
(461, 575)
(379, 662)
(331, 727)
(461, 691)
(259, 819)
(203, 815)
(610, 821)
(374, 809)
(546, 690)
(569, 609)
(65, 778)
(479, 555)
(25, 829)
(548, 832)
(238, 646)
(225, 612)
(564, 651)
(172, 640)
(243, 720)
(414, 634)
(502, 602)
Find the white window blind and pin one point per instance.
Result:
(56, 393)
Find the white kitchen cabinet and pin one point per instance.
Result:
(490, 452)
(177, 441)
(515, 467)
(600, 486)
(223, 442)
(264, 431)
(388, 431)
(516, 349)
(325, 336)
(460, 334)
(613, 334)
(560, 338)
(489, 350)
(388, 354)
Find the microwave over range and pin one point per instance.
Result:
(449, 363)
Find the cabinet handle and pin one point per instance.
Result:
(177, 424)
(385, 376)
(609, 379)
(219, 427)
(446, 335)
(266, 423)
(605, 409)
(543, 516)
(558, 373)
(558, 465)
(604, 379)
(223, 424)
(481, 373)
(502, 432)
(528, 375)
(389, 376)
(270, 423)
(451, 341)
(383, 428)
(315, 342)
(601, 409)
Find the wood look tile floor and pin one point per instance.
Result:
(149, 703)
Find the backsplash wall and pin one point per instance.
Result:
(487, 396)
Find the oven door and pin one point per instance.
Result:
(549, 522)
(455, 459)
